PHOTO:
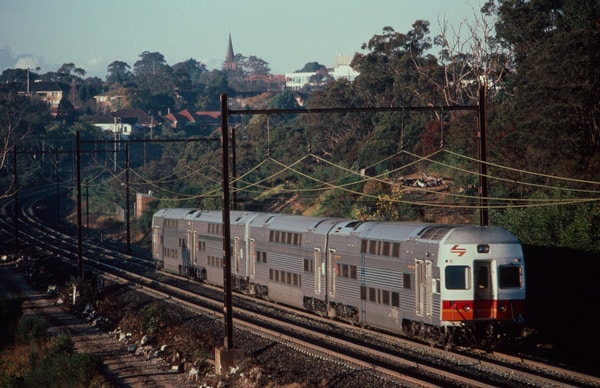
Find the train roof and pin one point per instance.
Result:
(216, 216)
(173, 212)
(477, 234)
(388, 230)
(297, 224)
(443, 233)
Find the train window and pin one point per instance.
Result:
(372, 294)
(396, 249)
(482, 278)
(509, 276)
(352, 272)
(214, 228)
(309, 265)
(261, 257)
(372, 247)
(385, 297)
(363, 292)
(386, 248)
(345, 270)
(406, 283)
(363, 246)
(271, 274)
(395, 299)
(457, 277)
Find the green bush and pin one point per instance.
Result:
(31, 329)
(152, 315)
(65, 370)
(61, 344)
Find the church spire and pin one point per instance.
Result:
(230, 57)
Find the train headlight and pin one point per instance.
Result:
(502, 308)
(467, 308)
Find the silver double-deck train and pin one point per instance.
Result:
(443, 283)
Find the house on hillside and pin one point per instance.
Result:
(205, 121)
(109, 101)
(340, 70)
(50, 92)
(125, 123)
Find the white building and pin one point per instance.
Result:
(340, 70)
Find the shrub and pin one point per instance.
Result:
(65, 370)
(31, 329)
(61, 344)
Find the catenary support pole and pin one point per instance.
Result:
(483, 181)
(79, 221)
(16, 188)
(226, 225)
(127, 211)
(226, 356)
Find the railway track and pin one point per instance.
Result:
(384, 357)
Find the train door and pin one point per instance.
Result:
(193, 246)
(484, 290)
(319, 270)
(423, 291)
(332, 272)
(252, 259)
(157, 243)
(236, 254)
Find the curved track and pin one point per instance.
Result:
(386, 357)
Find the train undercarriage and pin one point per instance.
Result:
(484, 335)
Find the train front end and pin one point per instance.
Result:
(482, 283)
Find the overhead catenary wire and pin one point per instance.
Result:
(250, 187)
(323, 185)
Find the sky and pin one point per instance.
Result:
(91, 34)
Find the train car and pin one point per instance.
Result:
(442, 283)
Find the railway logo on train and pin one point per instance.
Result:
(441, 283)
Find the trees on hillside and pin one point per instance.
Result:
(118, 72)
(554, 104)
(21, 118)
(538, 59)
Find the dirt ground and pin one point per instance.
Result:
(144, 342)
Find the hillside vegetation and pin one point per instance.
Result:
(537, 61)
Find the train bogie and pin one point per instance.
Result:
(422, 279)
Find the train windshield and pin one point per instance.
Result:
(458, 277)
(509, 276)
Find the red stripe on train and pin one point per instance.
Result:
(467, 310)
